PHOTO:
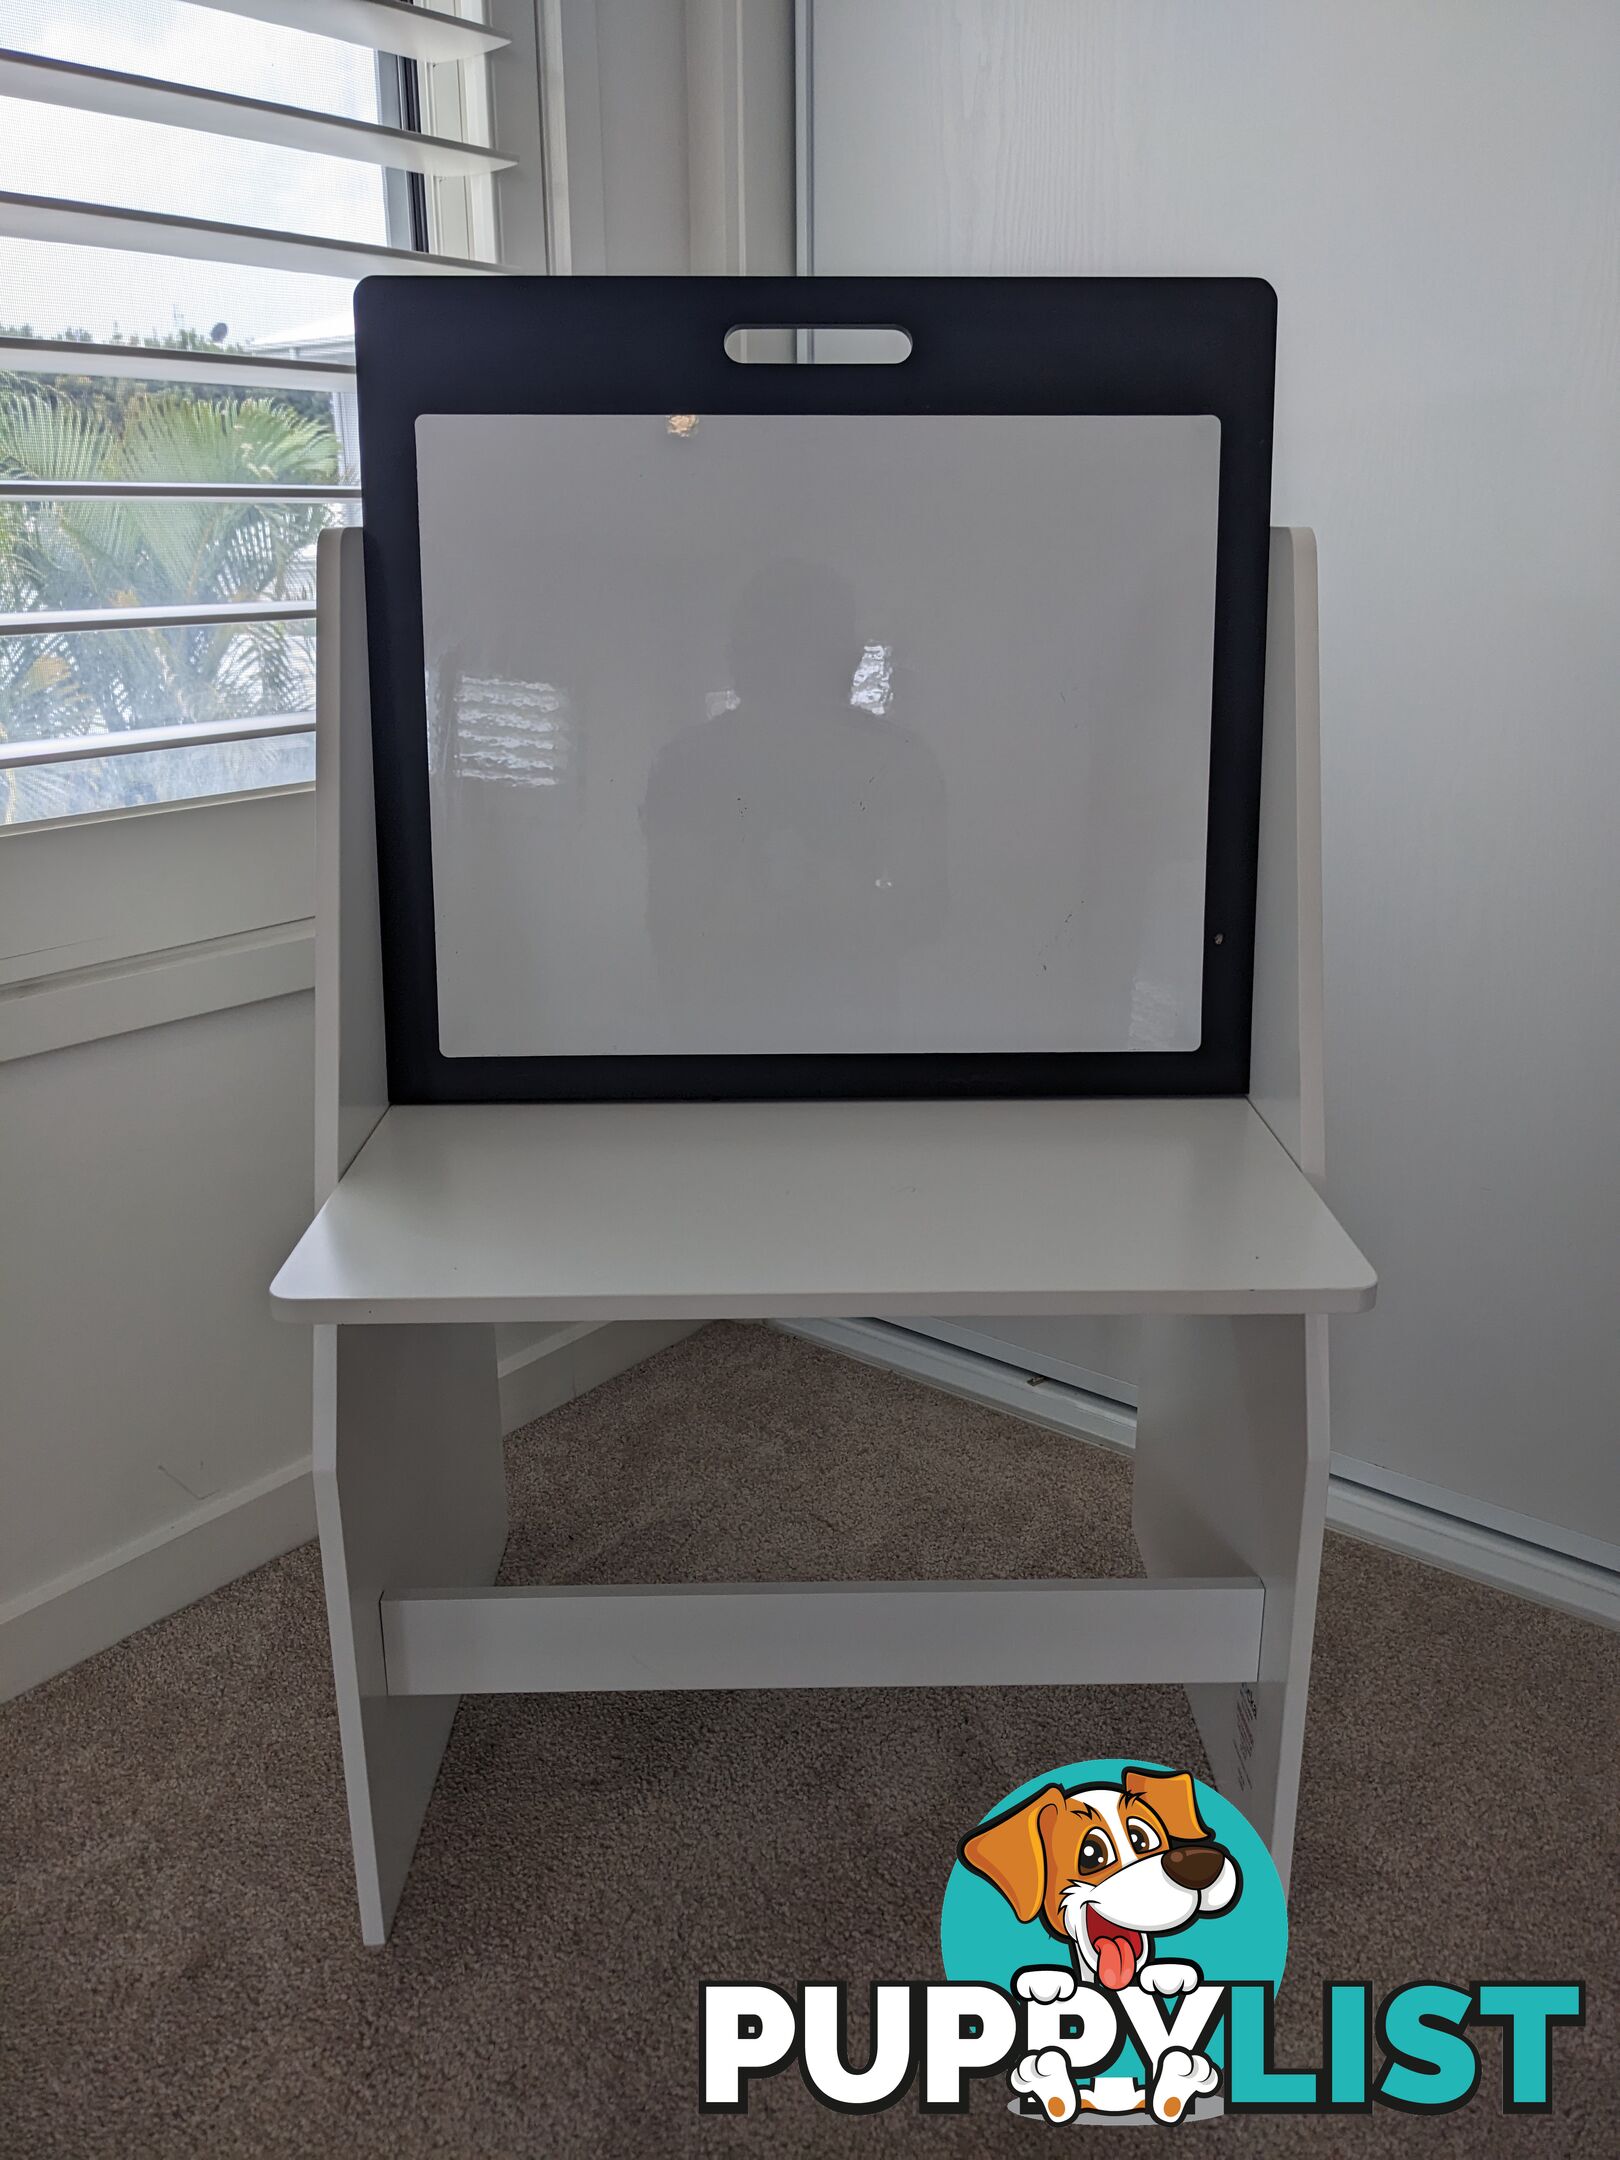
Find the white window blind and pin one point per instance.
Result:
(188, 191)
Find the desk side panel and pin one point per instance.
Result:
(1231, 1477)
(410, 1488)
(1285, 1071)
(351, 1074)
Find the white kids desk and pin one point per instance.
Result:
(437, 1221)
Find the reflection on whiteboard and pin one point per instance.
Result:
(817, 733)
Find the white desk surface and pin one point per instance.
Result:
(501, 1212)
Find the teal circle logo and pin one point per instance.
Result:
(1121, 1874)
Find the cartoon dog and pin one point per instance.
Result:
(1107, 1869)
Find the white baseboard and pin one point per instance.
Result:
(71, 1617)
(537, 1370)
(90, 1608)
(960, 1371)
(1518, 1528)
(1448, 1530)
(557, 1363)
(1447, 1540)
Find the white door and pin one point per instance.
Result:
(1435, 194)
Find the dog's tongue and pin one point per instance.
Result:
(1116, 1960)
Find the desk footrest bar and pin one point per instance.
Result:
(801, 1635)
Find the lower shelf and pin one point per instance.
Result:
(1131, 1632)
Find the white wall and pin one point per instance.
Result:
(1435, 193)
(154, 1184)
(150, 1185)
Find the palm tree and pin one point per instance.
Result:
(75, 555)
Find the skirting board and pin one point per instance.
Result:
(553, 1364)
(1484, 1555)
(73, 1616)
(1509, 1552)
(958, 1371)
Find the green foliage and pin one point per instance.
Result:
(113, 394)
(76, 555)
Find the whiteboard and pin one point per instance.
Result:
(817, 733)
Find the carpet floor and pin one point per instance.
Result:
(181, 1968)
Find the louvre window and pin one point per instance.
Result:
(189, 190)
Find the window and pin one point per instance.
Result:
(189, 190)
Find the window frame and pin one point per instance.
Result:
(440, 85)
(130, 917)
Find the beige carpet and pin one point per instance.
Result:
(181, 1969)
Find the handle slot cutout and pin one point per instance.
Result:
(818, 344)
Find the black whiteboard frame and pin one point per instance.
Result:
(979, 345)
